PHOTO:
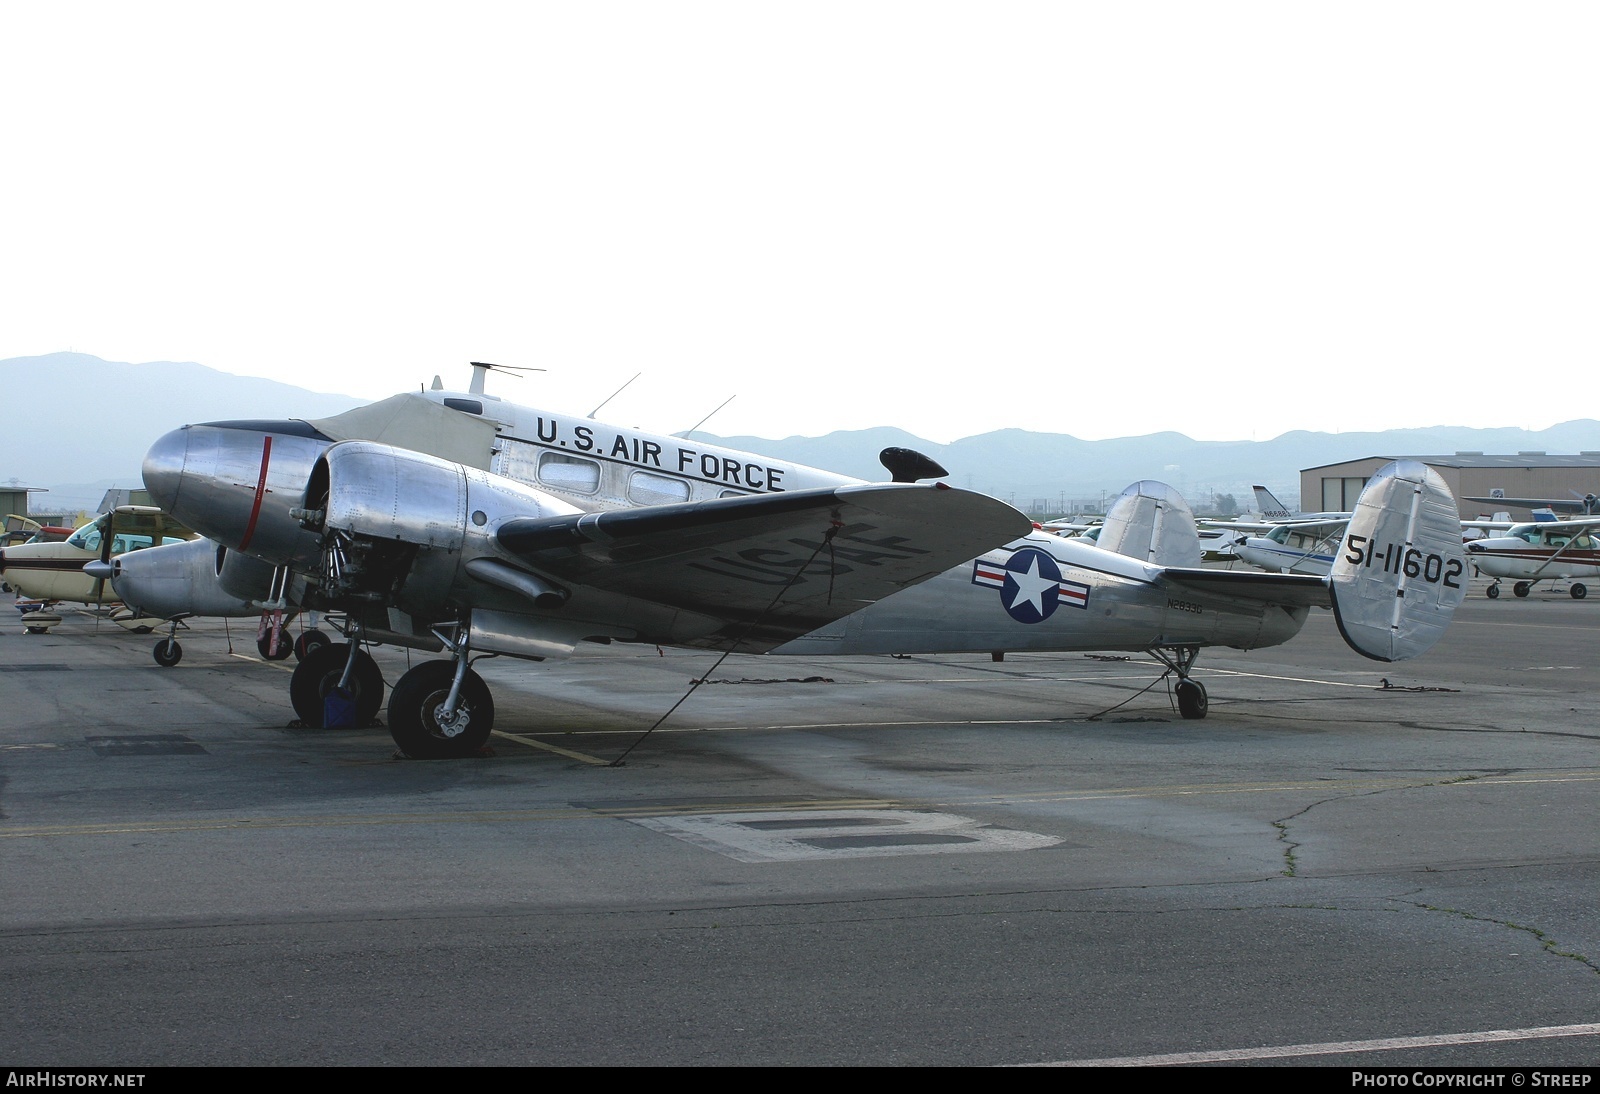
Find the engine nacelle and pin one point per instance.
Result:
(242, 576)
(402, 529)
(182, 579)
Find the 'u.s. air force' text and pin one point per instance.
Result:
(643, 452)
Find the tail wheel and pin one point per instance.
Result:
(416, 709)
(318, 674)
(264, 647)
(167, 653)
(1192, 699)
(310, 640)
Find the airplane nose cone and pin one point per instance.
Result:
(163, 468)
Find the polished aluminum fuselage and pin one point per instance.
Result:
(235, 482)
(1124, 606)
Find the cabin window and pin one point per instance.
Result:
(571, 473)
(466, 406)
(645, 488)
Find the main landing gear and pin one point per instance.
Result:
(1191, 693)
(336, 665)
(1577, 590)
(441, 709)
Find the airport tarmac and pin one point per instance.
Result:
(928, 860)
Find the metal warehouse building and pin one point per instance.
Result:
(1334, 487)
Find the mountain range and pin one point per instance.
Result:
(77, 425)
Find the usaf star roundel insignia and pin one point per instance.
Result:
(1030, 584)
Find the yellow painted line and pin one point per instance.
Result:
(581, 757)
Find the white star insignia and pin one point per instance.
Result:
(1030, 586)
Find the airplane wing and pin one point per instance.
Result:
(769, 567)
(1584, 504)
(1284, 590)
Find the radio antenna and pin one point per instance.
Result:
(685, 434)
(480, 369)
(615, 393)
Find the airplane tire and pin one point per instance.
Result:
(167, 653)
(419, 693)
(1492, 592)
(309, 641)
(1192, 699)
(319, 674)
(1579, 590)
(264, 647)
(1521, 588)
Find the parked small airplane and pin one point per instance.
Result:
(1303, 547)
(1587, 504)
(49, 573)
(1274, 511)
(461, 523)
(20, 529)
(1541, 551)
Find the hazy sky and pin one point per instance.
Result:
(1227, 219)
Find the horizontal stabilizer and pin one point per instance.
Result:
(1401, 571)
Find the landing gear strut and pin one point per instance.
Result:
(441, 709)
(167, 652)
(1191, 693)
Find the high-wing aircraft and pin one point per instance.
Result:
(1300, 547)
(464, 524)
(1587, 504)
(1540, 551)
(1274, 511)
(52, 572)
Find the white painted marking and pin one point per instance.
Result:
(1330, 1048)
(795, 835)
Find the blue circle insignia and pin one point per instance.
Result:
(1032, 589)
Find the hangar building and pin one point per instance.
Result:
(1334, 487)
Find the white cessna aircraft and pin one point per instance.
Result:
(460, 523)
(1540, 551)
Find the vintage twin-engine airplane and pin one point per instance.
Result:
(461, 523)
(1540, 551)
